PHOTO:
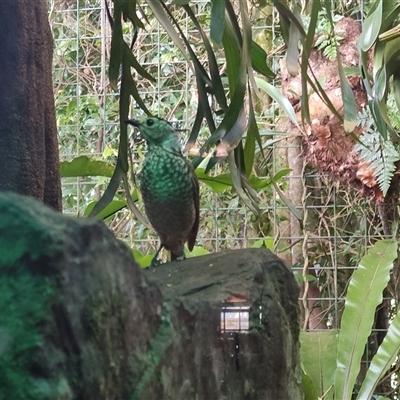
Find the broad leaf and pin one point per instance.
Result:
(318, 355)
(371, 27)
(86, 166)
(382, 360)
(310, 392)
(364, 294)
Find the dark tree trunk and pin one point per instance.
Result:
(29, 162)
(79, 320)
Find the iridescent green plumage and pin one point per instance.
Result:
(169, 187)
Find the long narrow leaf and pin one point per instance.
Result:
(116, 47)
(273, 92)
(382, 360)
(293, 51)
(284, 10)
(237, 183)
(217, 21)
(349, 103)
(109, 193)
(135, 64)
(253, 135)
(122, 161)
(259, 61)
(307, 48)
(217, 85)
(364, 294)
(236, 70)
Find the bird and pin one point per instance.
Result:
(169, 187)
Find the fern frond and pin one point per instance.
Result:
(364, 118)
(381, 154)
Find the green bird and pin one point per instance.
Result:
(169, 187)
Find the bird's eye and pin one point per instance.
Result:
(149, 122)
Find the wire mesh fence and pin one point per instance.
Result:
(87, 112)
(337, 224)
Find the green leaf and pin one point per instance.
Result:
(131, 59)
(309, 390)
(128, 84)
(380, 83)
(308, 43)
(232, 55)
(217, 22)
(382, 360)
(293, 51)
(130, 13)
(218, 184)
(196, 252)
(122, 161)
(282, 173)
(144, 261)
(238, 180)
(318, 356)
(112, 208)
(371, 27)
(289, 15)
(236, 70)
(279, 98)
(364, 294)
(109, 193)
(253, 135)
(257, 183)
(259, 60)
(390, 14)
(292, 208)
(396, 89)
(116, 47)
(349, 103)
(378, 117)
(86, 166)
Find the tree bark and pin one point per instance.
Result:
(79, 319)
(29, 160)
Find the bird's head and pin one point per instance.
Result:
(157, 132)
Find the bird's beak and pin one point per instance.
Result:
(133, 122)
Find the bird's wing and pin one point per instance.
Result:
(196, 199)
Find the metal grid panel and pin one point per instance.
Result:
(87, 114)
(339, 224)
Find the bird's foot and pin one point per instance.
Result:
(155, 262)
(181, 256)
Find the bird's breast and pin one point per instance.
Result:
(165, 176)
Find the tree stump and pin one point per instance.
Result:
(80, 320)
(235, 328)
